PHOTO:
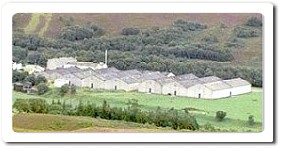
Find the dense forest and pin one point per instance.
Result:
(183, 47)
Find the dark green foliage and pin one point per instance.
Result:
(19, 54)
(210, 39)
(38, 105)
(72, 89)
(74, 33)
(31, 105)
(189, 26)
(64, 89)
(21, 105)
(220, 115)
(242, 32)
(19, 76)
(130, 31)
(251, 120)
(40, 79)
(55, 109)
(254, 21)
(36, 58)
(31, 79)
(133, 113)
(42, 88)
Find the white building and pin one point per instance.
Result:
(16, 66)
(173, 87)
(219, 89)
(60, 82)
(86, 65)
(59, 62)
(239, 86)
(33, 69)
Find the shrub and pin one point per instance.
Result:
(31, 79)
(40, 79)
(72, 89)
(38, 105)
(242, 32)
(42, 88)
(55, 109)
(210, 39)
(254, 21)
(189, 26)
(130, 31)
(21, 105)
(251, 120)
(220, 115)
(64, 89)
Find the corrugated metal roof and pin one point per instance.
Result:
(130, 80)
(210, 79)
(237, 82)
(218, 85)
(151, 75)
(191, 82)
(165, 80)
(185, 77)
(107, 70)
(133, 72)
(84, 73)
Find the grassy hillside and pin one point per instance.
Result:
(238, 108)
(50, 25)
(114, 23)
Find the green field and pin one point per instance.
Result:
(238, 108)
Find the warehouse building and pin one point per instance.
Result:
(59, 62)
(239, 86)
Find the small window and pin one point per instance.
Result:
(115, 87)
(175, 93)
(199, 95)
(149, 90)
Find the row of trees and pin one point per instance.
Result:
(132, 113)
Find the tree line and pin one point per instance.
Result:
(131, 113)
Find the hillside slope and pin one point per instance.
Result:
(114, 23)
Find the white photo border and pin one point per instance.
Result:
(9, 9)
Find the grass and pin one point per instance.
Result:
(48, 18)
(34, 23)
(31, 122)
(238, 108)
(35, 19)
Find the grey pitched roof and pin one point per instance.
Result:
(210, 79)
(107, 70)
(130, 79)
(84, 73)
(63, 71)
(185, 77)
(190, 82)
(237, 82)
(132, 72)
(150, 75)
(165, 80)
(218, 85)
